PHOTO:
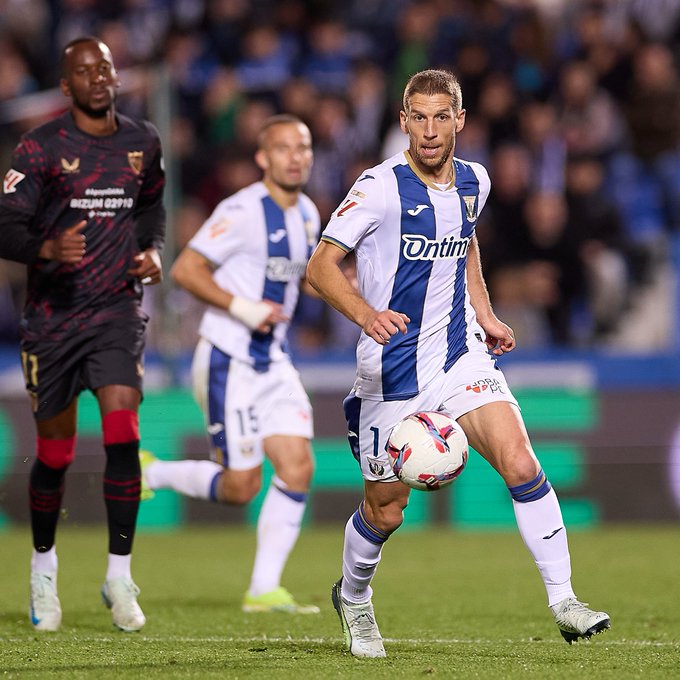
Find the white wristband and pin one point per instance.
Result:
(252, 314)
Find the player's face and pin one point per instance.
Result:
(432, 125)
(286, 155)
(90, 78)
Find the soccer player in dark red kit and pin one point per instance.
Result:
(82, 206)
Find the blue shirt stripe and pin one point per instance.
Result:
(260, 343)
(399, 357)
(468, 192)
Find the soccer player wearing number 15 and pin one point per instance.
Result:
(428, 330)
(246, 263)
(82, 207)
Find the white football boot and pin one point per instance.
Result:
(44, 608)
(575, 620)
(362, 636)
(120, 596)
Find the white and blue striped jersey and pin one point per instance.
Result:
(260, 252)
(411, 239)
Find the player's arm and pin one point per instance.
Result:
(19, 245)
(149, 221)
(499, 336)
(194, 272)
(22, 191)
(149, 212)
(325, 274)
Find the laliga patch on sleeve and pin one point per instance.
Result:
(12, 178)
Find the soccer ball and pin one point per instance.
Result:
(427, 450)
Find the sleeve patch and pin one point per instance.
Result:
(12, 179)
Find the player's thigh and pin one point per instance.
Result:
(477, 395)
(115, 358)
(369, 424)
(292, 460)
(52, 374)
(496, 431)
(227, 390)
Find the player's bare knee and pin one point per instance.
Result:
(239, 488)
(520, 469)
(297, 477)
(388, 518)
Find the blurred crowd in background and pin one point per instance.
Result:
(573, 106)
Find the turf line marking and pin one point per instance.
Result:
(412, 641)
(395, 641)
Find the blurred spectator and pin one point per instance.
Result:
(225, 23)
(503, 216)
(328, 59)
(298, 97)
(646, 178)
(549, 257)
(266, 62)
(192, 67)
(499, 107)
(530, 42)
(416, 25)
(606, 254)
(15, 75)
(589, 120)
(334, 147)
(542, 138)
(368, 100)
(222, 100)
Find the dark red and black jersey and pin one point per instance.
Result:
(60, 176)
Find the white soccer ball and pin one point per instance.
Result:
(427, 450)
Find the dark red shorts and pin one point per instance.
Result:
(57, 372)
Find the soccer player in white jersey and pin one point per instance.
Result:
(429, 343)
(246, 263)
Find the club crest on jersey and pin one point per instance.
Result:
(378, 469)
(136, 161)
(418, 247)
(12, 178)
(470, 208)
(70, 168)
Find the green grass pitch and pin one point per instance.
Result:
(450, 604)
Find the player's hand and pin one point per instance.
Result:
(381, 326)
(257, 315)
(500, 338)
(68, 248)
(147, 267)
(276, 315)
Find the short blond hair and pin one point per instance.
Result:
(433, 81)
(279, 119)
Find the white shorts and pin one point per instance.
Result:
(474, 380)
(242, 407)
